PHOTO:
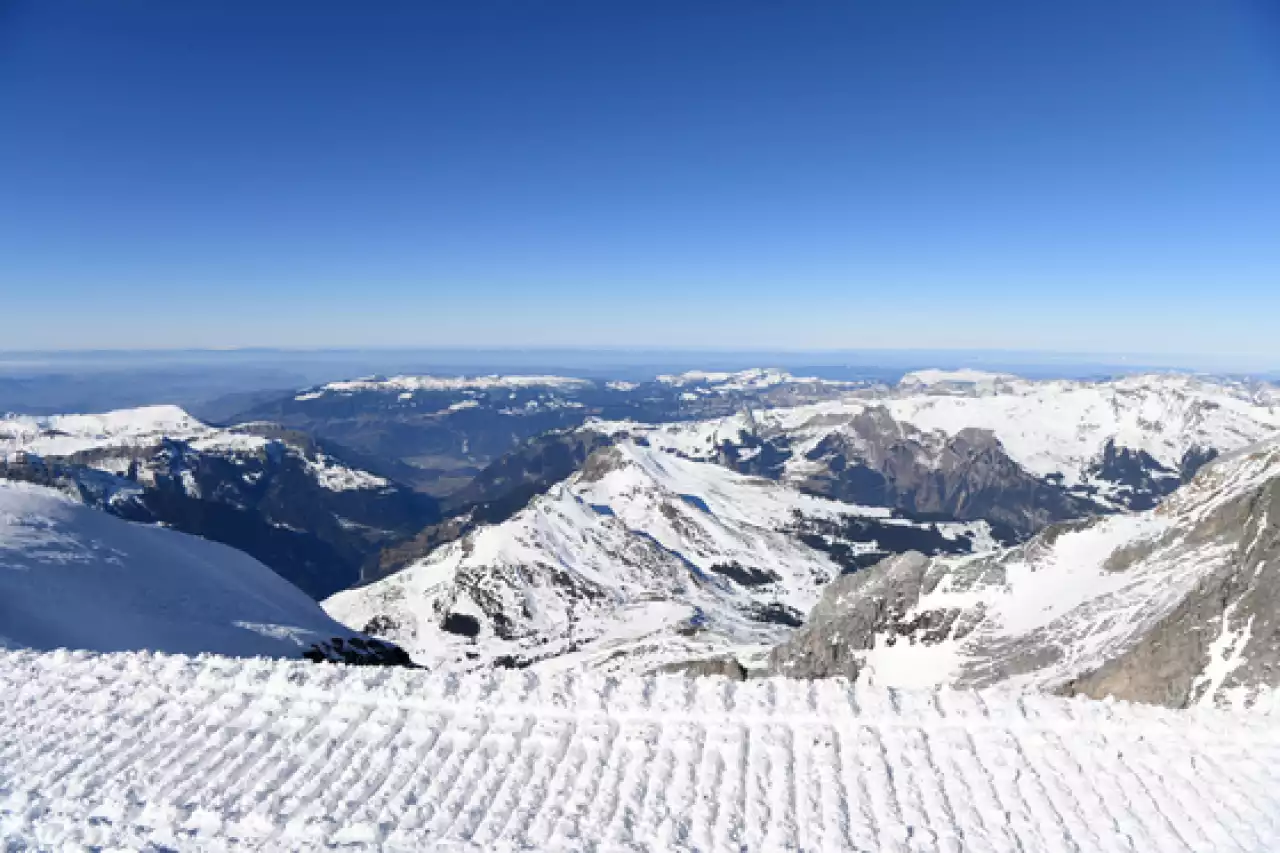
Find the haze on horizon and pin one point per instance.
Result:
(1089, 177)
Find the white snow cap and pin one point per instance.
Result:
(62, 435)
(409, 384)
(756, 378)
(967, 377)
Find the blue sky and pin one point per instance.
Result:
(1090, 176)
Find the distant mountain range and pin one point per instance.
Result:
(968, 527)
(437, 433)
(1017, 453)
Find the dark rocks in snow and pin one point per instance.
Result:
(461, 624)
(876, 460)
(777, 613)
(359, 652)
(745, 575)
(726, 667)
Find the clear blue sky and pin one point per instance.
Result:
(1090, 175)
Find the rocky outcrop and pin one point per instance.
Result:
(855, 610)
(358, 651)
(874, 459)
(726, 667)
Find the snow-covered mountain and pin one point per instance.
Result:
(297, 505)
(1016, 452)
(74, 577)
(441, 431)
(641, 559)
(1177, 605)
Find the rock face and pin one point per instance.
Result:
(879, 461)
(1178, 605)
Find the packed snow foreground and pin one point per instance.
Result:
(148, 751)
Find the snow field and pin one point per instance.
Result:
(211, 753)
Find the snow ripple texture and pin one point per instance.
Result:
(149, 751)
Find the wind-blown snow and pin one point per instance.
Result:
(146, 751)
(71, 576)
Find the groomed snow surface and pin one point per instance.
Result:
(145, 751)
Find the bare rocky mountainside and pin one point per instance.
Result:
(1178, 605)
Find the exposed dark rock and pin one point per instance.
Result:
(358, 652)
(726, 667)
(745, 575)
(854, 609)
(461, 624)
(777, 613)
(876, 460)
(1141, 478)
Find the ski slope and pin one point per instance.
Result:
(152, 751)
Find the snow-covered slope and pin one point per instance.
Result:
(640, 559)
(1178, 605)
(74, 577)
(214, 754)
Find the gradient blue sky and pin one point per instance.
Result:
(1092, 176)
